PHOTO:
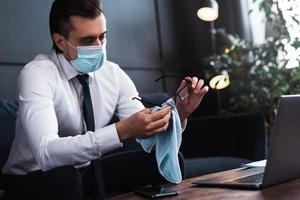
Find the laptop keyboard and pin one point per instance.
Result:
(256, 178)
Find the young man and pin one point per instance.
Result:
(54, 141)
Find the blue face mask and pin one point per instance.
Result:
(89, 58)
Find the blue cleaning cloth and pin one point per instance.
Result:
(167, 146)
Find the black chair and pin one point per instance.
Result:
(8, 110)
(127, 170)
(218, 143)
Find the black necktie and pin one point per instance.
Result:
(88, 115)
(87, 106)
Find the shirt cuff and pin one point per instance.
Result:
(107, 139)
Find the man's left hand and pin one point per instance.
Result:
(190, 97)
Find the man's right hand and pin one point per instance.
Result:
(144, 123)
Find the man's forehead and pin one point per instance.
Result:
(88, 26)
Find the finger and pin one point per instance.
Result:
(159, 123)
(160, 113)
(198, 87)
(160, 130)
(147, 111)
(194, 82)
(185, 81)
(205, 89)
(202, 92)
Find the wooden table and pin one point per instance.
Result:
(285, 191)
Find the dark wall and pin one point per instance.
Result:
(146, 37)
(23, 34)
(156, 36)
(133, 40)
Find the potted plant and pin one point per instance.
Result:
(258, 73)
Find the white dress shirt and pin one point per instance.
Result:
(50, 123)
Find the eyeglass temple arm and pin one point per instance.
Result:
(172, 76)
(143, 101)
(177, 93)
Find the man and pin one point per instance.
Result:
(54, 145)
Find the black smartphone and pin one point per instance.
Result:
(153, 191)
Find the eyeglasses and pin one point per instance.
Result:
(165, 100)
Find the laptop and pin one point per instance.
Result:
(283, 161)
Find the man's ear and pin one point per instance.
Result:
(59, 41)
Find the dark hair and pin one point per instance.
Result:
(63, 10)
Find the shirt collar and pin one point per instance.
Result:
(68, 69)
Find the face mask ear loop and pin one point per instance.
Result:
(69, 43)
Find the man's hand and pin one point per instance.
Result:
(144, 123)
(190, 97)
